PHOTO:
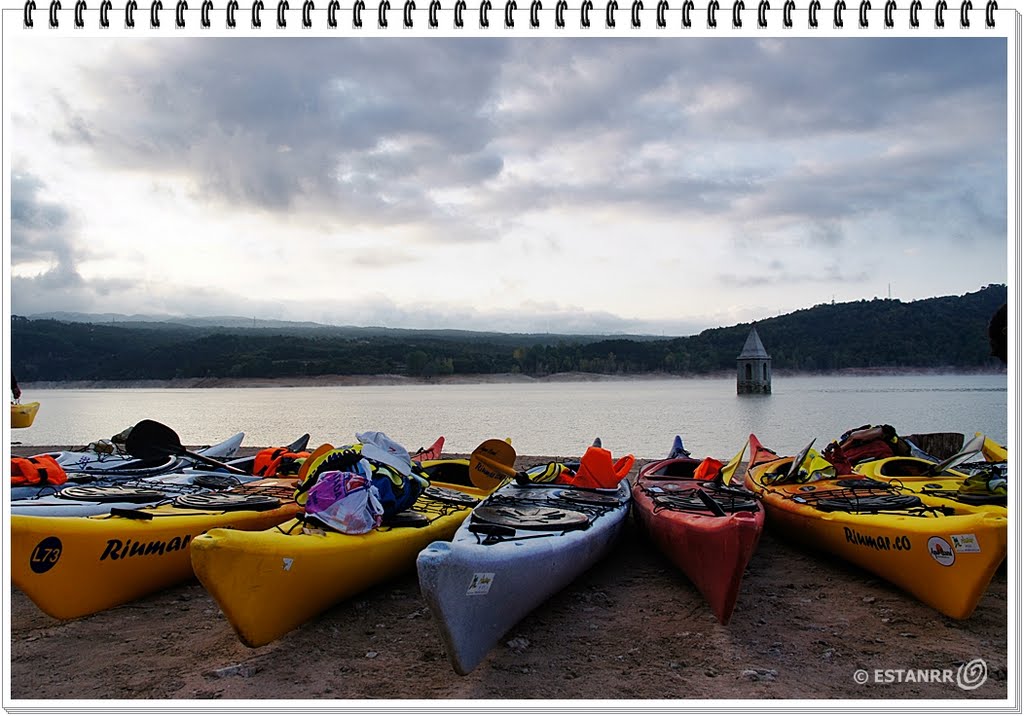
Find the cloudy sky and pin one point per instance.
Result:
(572, 185)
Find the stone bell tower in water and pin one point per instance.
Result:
(753, 367)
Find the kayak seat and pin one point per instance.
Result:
(906, 467)
(450, 472)
(681, 468)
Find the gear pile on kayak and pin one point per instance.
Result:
(282, 535)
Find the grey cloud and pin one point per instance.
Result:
(44, 231)
(272, 122)
(41, 230)
(364, 132)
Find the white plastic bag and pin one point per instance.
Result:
(345, 501)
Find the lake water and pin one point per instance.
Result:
(544, 418)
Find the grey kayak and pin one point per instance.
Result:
(519, 547)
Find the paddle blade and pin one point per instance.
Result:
(993, 451)
(491, 463)
(149, 439)
(729, 471)
(709, 502)
(315, 458)
(974, 445)
(798, 462)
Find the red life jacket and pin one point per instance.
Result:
(872, 443)
(270, 461)
(857, 451)
(38, 470)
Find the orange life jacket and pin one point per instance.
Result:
(38, 470)
(707, 470)
(597, 470)
(270, 461)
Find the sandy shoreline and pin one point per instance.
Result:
(630, 628)
(499, 378)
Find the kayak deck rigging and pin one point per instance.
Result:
(687, 499)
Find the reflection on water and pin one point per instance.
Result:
(639, 416)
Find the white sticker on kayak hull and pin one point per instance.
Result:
(480, 583)
(965, 543)
(940, 551)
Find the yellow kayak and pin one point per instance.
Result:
(993, 451)
(943, 554)
(270, 582)
(23, 414)
(978, 486)
(950, 486)
(74, 566)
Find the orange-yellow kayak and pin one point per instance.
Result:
(74, 566)
(271, 581)
(943, 554)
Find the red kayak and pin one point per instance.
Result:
(429, 453)
(707, 527)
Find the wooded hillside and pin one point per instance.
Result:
(949, 331)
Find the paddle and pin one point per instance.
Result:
(709, 502)
(313, 460)
(798, 461)
(149, 440)
(491, 463)
(729, 470)
(973, 446)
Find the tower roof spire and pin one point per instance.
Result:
(753, 348)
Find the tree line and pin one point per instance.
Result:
(949, 331)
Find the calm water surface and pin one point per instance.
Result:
(630, 416)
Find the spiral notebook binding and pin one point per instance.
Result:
(561, 8)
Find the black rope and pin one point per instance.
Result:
(552, 499)
(688, 500)
(879, 498)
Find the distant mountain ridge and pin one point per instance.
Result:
(943, 332)
(193, 321)
(151, 321)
